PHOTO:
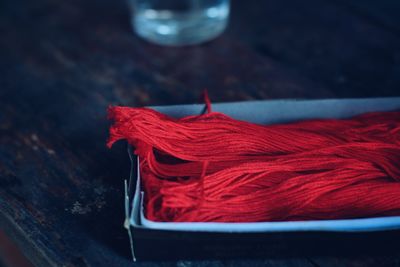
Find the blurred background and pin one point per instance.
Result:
(63, 63)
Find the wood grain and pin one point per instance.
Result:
(63, 63)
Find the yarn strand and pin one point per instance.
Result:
(212, 168)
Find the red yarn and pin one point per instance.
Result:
(213, 168)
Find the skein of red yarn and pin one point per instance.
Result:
(212, 168)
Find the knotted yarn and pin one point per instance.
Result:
(213, 168)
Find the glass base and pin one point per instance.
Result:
(166, 27)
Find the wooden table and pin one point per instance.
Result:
(62, 64)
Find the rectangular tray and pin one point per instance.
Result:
(169, 240)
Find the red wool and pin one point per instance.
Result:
(212, 168)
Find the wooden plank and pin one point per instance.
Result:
(61, 190)
(325, 41)
(10, 254)
(61, 187)
(384, 14)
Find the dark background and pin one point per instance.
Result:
(63, 62)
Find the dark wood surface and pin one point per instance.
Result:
(63, 62)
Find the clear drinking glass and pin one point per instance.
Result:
(179, 22)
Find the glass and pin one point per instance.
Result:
(179, 22)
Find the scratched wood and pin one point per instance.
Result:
(63, 63)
